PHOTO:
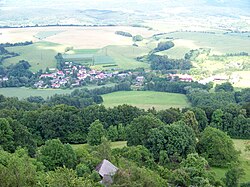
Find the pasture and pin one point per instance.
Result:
(40, 55)
(181, 47)
(23, 92)
(146, 99)
(124, 56)
(88, 56)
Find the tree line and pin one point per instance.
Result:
(168, 147)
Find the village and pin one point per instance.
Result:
(75, 75)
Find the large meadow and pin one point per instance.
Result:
(146, 99)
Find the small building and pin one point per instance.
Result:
(106, 170)
(140, 79)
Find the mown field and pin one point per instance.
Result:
(146, 99)
(219, 43)
(244, 161)
(23, 92)
(40, 55)
(124, 56)
(118, 144)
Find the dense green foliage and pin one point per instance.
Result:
(217, 147)
(169, 147)
(137, 38)
(164, 46)
(164, 63)
(176, 140)
(122, 33)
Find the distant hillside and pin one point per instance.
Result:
(115, 12)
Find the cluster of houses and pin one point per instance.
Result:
(181, 77)
(72, 75)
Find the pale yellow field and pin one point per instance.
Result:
(244, 81)
(78, 37)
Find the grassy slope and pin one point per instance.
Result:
(244, 162)
(40, 55)
(124, 56)
(175, 52)
(145, 99)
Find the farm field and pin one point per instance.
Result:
(244, 161)
(23, 92)
(77, 37)
(244, 79)
(45, 34)
(181, 47)
(40, 55)
(146, 99)
(124, 56)
(219, 43)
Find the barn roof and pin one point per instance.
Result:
(106, 168)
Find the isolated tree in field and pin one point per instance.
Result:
(137, 38)
(138, 130)
(217, 147)
(95, 134)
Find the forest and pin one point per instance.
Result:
(172, 147)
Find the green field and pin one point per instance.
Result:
(91, 59)
(244, 162)
(45, 34)
(146, 99)
(118, 144)
(124, 56)
(23, 92)
(40, 55)
(219, 43)
(175, 52)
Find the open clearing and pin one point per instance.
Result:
(146, 99)
(118, 144)
(244, 161)
(23, 92)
